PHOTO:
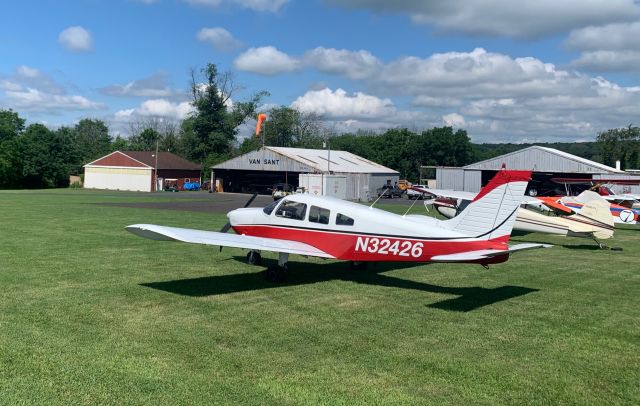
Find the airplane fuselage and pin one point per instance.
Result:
(351, 231)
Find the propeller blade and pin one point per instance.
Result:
(227, 226)
(251, 200)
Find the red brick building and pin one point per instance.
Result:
(138, 170)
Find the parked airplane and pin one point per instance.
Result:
(625, 208)
(327, 227)
(593, 221)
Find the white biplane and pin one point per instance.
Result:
(326, 227)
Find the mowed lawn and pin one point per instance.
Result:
(90, 314)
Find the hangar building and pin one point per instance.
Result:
(546, 163)
(136, 170)
(258, 171)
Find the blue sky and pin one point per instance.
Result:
(545, 70)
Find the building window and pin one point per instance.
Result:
(342, 220)
(319, 215)
(292, 210)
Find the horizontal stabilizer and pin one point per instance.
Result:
(486, 254)
(163, 233)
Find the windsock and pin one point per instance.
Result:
(261, 118)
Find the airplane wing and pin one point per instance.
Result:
(457, 194)
(453, 194)
(486, 254)
(163, 233)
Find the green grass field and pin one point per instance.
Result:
(90, 314)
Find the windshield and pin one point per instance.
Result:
(269, 209)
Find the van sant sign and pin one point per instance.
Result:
(264, 161)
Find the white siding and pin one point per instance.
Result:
(131, 179)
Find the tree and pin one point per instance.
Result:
(210, 134)
(11, 125)
(46, 157)
(621, 144)
(92, 139)
(145, 141)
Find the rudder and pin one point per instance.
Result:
(492, 212)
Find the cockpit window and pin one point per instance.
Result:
(269, 209)
(292, 210)
(342, 220)
(319, 215)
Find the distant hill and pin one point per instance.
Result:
(588, 150)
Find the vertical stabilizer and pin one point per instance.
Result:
(493, 211)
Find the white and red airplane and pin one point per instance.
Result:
(327, 227)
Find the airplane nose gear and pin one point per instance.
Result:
(279, 273)
(254, 258)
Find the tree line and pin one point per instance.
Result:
(35, 156)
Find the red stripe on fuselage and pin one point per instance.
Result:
(360, 247)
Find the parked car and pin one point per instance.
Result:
(281, 190)
(389, 191)
(414, 194)
(191, 186)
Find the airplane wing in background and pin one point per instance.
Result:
(457, 194)
(163, 233)
(486, 254)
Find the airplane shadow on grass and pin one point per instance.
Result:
(467, 298)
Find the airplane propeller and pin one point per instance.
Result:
(227, 226)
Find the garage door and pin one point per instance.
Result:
(134, 179)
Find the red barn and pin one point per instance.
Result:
(137, 170)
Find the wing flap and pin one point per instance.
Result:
(163, 233)
(486, 254)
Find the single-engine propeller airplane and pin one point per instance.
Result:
(327, 227)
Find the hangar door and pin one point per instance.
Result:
(133, 179)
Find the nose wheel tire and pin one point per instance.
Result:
(254, 258)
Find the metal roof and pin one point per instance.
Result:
(543, 159)
(303, 160)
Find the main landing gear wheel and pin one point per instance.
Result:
(276, 273)
(254, 258)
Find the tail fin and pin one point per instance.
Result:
(597, 214)
(493, 211)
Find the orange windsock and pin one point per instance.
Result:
(261, 119)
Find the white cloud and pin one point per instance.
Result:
(9, 85)
(453, 120)
(613, 37)
(255, 5)
(152, 86)
(608, 48)
(27, 72)
(266, 61)
(76, 39)
(352, 64)
(35, 100)
(157, 108)
(29, 89)
(609, 61)
(346, 112)
(527, 18)
(494, 96)
(221, 39)
(339, 104)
